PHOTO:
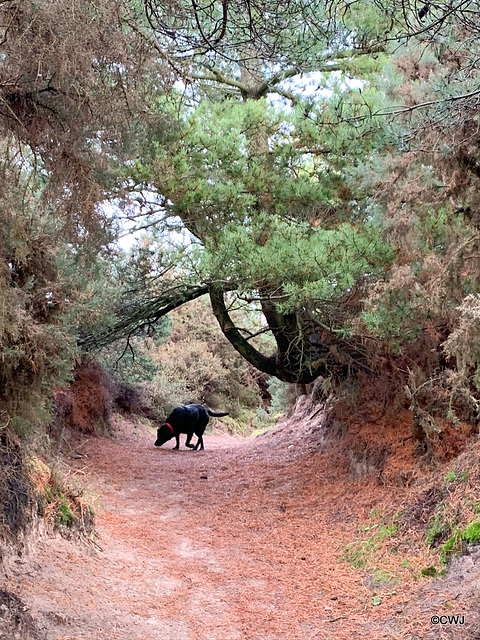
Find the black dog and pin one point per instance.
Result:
(190, 419)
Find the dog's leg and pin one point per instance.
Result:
(200, 429)
(177, 438)
(187, 441)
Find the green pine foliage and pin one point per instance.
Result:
(283, 215)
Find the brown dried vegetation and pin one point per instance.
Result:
(85, 405)
(71, 80)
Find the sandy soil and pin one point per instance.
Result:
(243, 540)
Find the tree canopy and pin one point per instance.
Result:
(275, 184)
(310, 166)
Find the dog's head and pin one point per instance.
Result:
(164, 433)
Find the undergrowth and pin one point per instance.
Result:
(31, 490)
(63, 506)
(455, 522)
(247, 423)
(376, 543)
(458, 538)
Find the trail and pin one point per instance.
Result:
(240, 541)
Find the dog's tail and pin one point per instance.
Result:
(217, 415)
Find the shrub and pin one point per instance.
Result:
(199, 365)
(86, 405)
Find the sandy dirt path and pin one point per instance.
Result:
(240, 541)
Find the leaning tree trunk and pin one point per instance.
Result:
(293, 359)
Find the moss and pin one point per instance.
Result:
(451, 546)
(454, 544)
(471, 533)
(65, 516)
(381, 577)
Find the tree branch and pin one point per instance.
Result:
(147, 314)
(266, 364)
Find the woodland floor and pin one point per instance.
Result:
(243, 540)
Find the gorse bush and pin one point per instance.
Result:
(36, 345)
(64, 111)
